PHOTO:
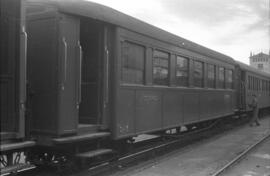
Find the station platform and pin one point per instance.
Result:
(257, 163)
(205, 157)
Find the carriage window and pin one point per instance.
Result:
(261, 84)
(253, 83)
(229, 79)
(221, 77)
(269, 87)
(182, 68)
(160, 68)
(265, 85)
(133, 57)
(198, 74)
(211, 76)
(256, 84)
(249, 82)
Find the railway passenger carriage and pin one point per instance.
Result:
(253, 81)
(163, 84)
(130, 72)
(96, 78)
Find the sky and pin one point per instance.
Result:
(232, 27)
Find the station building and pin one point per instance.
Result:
(260, 61)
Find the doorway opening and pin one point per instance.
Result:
(91, 38)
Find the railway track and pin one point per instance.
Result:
(149, 150)
(175, 142)
(240, 156)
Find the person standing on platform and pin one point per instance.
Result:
(254, 106)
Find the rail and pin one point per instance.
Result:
(240, 156)
(174, 142)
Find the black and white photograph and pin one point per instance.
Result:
(135, 87)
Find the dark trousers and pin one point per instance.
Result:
(254, 118)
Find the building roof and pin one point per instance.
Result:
(109, 15)
(261, 55)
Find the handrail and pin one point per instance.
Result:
(24, 59)
(80, 74)
(107, 76)
(65, 63)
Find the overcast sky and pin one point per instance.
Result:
(232, 27)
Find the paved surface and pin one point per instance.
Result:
(257, 163)
(204, 158)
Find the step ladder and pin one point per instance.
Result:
(16, 146)
(80, 137)
(94, 153)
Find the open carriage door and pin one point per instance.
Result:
(69, 77)
(54, 72)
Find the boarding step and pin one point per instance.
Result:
(16, 145)
(79, 138)
(87, 128)
(94, 153)
(7, 135)
(15, 168)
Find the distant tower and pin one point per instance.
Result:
(260, 61)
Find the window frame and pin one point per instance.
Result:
(215, 76)
(223, 85)
(202, 74)
(229, 85)
(167, 83)
(143, 62)
(186, 70)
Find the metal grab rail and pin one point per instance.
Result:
(79, 99)
(24, 39)
(64, 74)
(107, 76)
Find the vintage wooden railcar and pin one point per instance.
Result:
(134, 77)
(253, 81)
(97, 77)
